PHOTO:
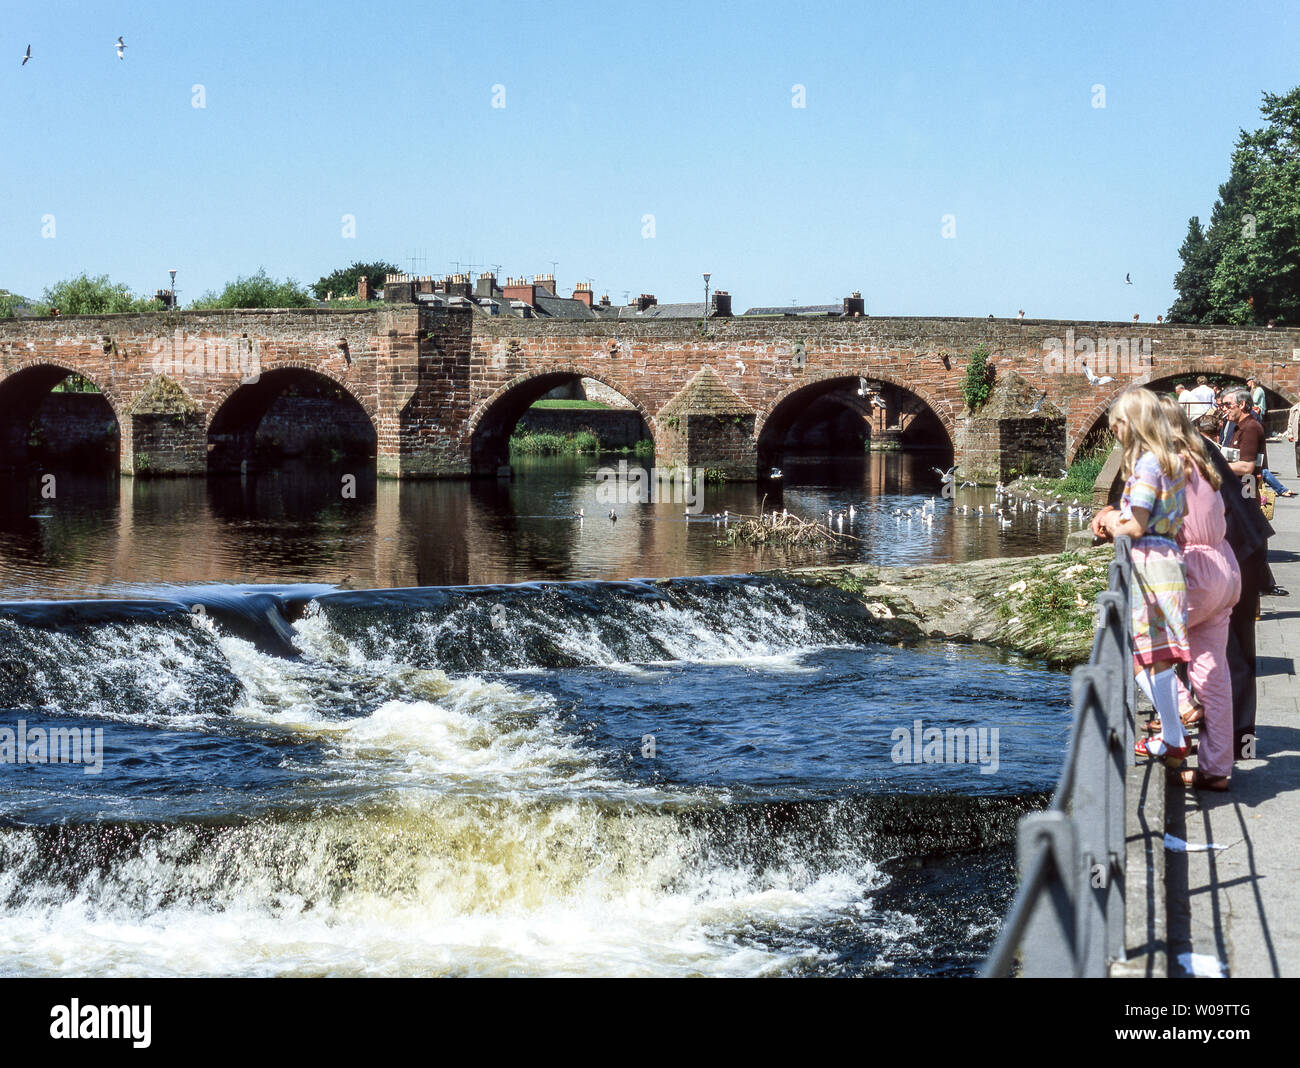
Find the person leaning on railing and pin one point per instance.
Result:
(1151, 512)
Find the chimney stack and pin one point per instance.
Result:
(604, 301)
(855, 305)
(545, 282)
(364, 292)
(521, 289)
(645, 300)
(583, 293)
(486, 286)
(399, 289)
(721, 304)
(457, 285)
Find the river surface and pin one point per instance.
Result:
(594, 770)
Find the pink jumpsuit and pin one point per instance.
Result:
(1213, 586)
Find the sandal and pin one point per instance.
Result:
(1194, 718)
(1198, 780)
(1171, 757)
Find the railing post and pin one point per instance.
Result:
(1092, 685)
(1049, 943)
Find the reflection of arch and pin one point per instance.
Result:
(22, 394)
(775, 424)
(490, 424)
(237, 416)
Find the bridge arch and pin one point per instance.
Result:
(493, 419)
(774, 426)
(91, 430)
(334, 420)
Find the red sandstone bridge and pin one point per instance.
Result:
(439, 390)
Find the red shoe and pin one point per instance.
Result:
(1172, 756)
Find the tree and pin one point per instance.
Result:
(1193, 280)
(13, 305)
(257, 291)
(1248, 269)
(86, 295)
(343, 282)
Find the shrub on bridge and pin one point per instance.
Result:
(977, 387)
(257, 291)
(97, 295)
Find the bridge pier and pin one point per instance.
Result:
(707, 425)
(164, 433)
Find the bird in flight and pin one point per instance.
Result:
(121, 48)
(1127, 280)
(1093, 380)
(26, 57)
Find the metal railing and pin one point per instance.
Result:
(1067, 918)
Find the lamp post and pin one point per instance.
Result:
(172, 272)
(707, 276)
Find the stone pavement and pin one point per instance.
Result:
(1239, 906)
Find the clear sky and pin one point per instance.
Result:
(682, 111)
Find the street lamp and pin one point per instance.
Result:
(707, 276)
(172, 272)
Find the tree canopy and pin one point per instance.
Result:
(343, 282)
(1244, 268)
(257, 291)
(95, 295)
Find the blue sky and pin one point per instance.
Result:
(614, 112)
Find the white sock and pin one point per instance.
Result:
(1162, 690)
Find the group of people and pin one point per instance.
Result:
(1203, 399)
(1200, 541)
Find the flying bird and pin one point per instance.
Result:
(26, 57)
(121, 48)
(740, 367)
(1038, 403)
(1127, 280)
(1093, 380)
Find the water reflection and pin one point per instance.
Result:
(102, 536)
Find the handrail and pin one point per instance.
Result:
(1067, 918)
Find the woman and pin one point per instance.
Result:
(1213, 587)
(1152, 512)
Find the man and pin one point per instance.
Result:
(1248, 438)
(1257, 397)
(1200, 400)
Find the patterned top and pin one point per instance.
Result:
(1162, 497)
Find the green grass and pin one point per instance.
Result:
(559, 403)
(532, 443)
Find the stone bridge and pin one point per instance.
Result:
(439, 390)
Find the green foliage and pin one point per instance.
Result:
(1087, 466)
(644, 447)
(557, 403)
(257, 291)
(1245, 267)
(535, 443)
(75, 384)
(343, 282)
(976, 388)
(12, 303)
(86, 295)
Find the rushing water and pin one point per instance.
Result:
(682, 777)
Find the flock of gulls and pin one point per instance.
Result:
(119, 45)
(1005, 510)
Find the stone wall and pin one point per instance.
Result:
(77, 426)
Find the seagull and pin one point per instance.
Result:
(862, 387)
(578, 515)
(775, 472)
(740, 367)
(26, 57)
(1038, 403)
(613, 516)
(121, 48)
(1093, 380)
(852, 512)
(945, 476)
(1127, 280)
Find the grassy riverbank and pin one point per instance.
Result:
(1042, 606)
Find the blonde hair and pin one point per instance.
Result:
(1146, 429)
(1189, 440)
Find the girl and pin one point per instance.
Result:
(1151, 512)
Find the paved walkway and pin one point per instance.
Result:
(1239, 906)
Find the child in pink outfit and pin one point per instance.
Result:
(1213, 586)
